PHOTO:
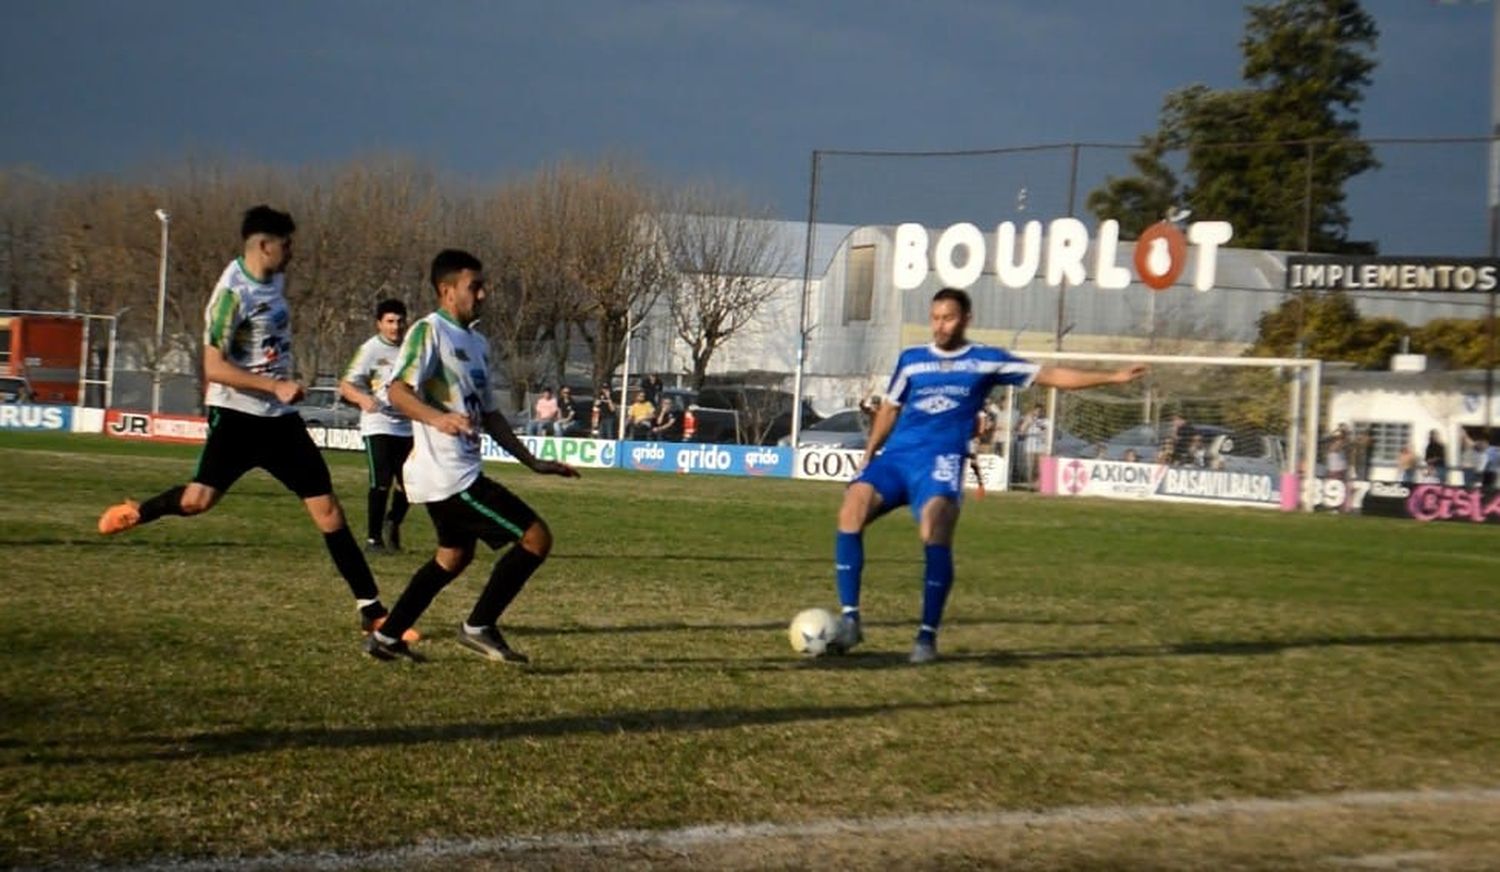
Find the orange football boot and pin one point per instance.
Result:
(120, 517)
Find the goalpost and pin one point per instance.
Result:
(1235, 430)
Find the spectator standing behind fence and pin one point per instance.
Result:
(1406, 465)
(1436, 456)
(1491, 466)
(639, 416)
(603, 417)
(567, 413)
(1033, 433)
(1337, 460)
(652, 386)
(1359, 455)
(543, 414)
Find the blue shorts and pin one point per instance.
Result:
(912, 478)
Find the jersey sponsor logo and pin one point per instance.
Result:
(936, 404)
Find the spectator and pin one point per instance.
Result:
(1359, 455)
(1178, 439)
(1197, 452)
(1130, 456)
(543, 414)
(567, 413)
(1491, 464)
(1477, 470)
(1406, 465)
(1436, 456)
(667, 425)
(652, 386)
(1337, 459)
(639, 416)
(1033, 433)
(1470, 460)
(604, 415)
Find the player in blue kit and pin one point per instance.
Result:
(915, 455)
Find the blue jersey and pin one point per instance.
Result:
(941, 393)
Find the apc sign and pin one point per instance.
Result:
(589, 453)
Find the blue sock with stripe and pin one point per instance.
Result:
(848, 565)
(938, 580)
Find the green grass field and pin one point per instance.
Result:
(195, 688)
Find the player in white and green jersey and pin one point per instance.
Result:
(386, 432)
(441, 383)
(247, 360)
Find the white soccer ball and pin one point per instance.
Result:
(812, 631)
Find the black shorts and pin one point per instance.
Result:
(485, 511)
(239, 442)
(385, 454)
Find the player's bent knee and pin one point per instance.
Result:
(454, 560)
(537, 538)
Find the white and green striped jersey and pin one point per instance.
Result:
(448, 366)
(249, 321)
(370, 371)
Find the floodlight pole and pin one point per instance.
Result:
(807, 258)
(161, 306)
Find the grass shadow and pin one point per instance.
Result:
(238, 742)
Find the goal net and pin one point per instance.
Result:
(1194, 429)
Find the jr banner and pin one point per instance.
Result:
(707, 459)
(155, 428)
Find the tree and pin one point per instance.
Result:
(1329, 327)
(727, 256)
(1272, 158)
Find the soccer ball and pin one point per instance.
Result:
(813, 631)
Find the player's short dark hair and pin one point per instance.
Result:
(392, 306)
(965, 305)
(451, 261)
(264, 219)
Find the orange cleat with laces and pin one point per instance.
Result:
(120, 517)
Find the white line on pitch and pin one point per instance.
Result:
(712, 834)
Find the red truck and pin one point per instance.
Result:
(46, 351)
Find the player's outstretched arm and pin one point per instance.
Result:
(218, 368)
(500, 430)
(1069, 379)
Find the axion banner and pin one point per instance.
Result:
(1074, 477)
(1319, 273)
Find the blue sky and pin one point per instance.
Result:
(730, 90)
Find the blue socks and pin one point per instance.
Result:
(937, 582)
(848, 564)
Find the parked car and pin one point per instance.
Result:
(760, 415)
(323, 407)
(15, 389)
(845, 428)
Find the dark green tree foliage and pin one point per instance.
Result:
(1331, 329)
(1248, 150)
